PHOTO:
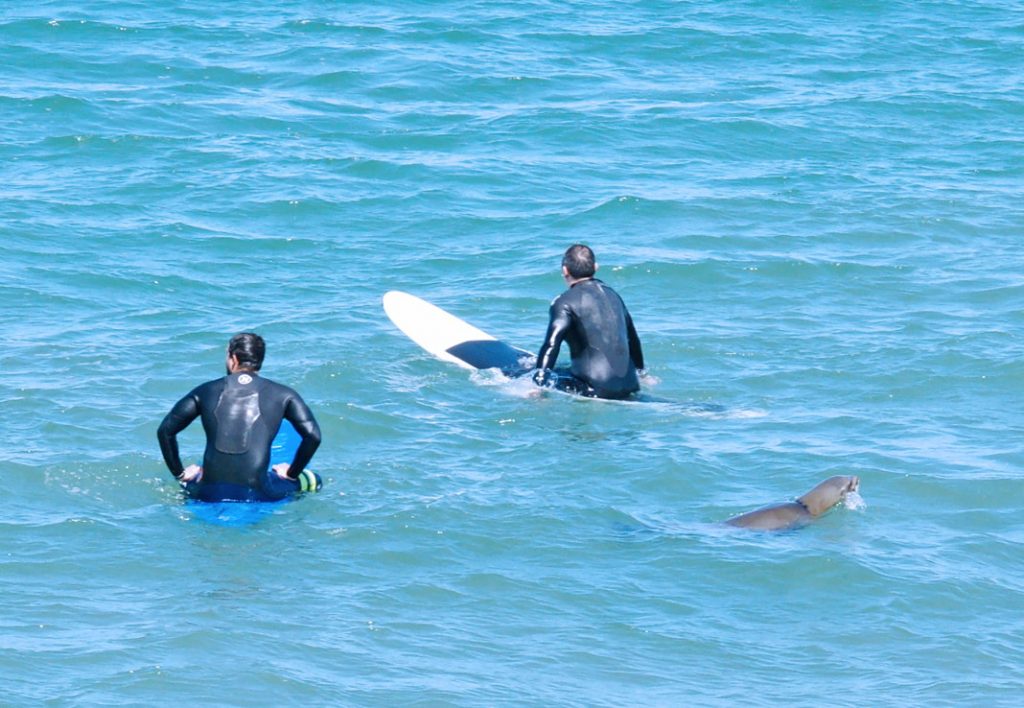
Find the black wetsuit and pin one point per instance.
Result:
(241, 414)
(603, 343)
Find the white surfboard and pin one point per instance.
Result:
(451, 339)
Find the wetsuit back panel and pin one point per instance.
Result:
(237, 413)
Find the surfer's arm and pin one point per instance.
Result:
(298, 414)
(636, 353)
(558, 324)
(184, 412)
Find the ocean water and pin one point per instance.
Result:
(812, 208)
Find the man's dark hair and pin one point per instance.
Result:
(579, 261)
(249, 348)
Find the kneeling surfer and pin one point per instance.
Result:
(241, 414)
(603, 343)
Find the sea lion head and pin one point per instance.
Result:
(829, 493)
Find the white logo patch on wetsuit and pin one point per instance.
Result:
(245, 379)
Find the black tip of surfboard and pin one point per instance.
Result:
(489, 354)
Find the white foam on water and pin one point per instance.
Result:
(854, 501)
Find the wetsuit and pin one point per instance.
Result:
(241, 414)
(605, 348)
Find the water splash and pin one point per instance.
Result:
(854, 501)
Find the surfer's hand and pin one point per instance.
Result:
(281, 470)
(192, 473)
(542, 377)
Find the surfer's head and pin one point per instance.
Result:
(247, 349)
(578, 262)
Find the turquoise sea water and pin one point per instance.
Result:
(813, 210)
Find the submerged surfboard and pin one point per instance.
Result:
(451, 339)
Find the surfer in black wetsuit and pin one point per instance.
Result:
(241, 414)
(592, 318)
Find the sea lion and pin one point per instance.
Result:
(802, 511)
